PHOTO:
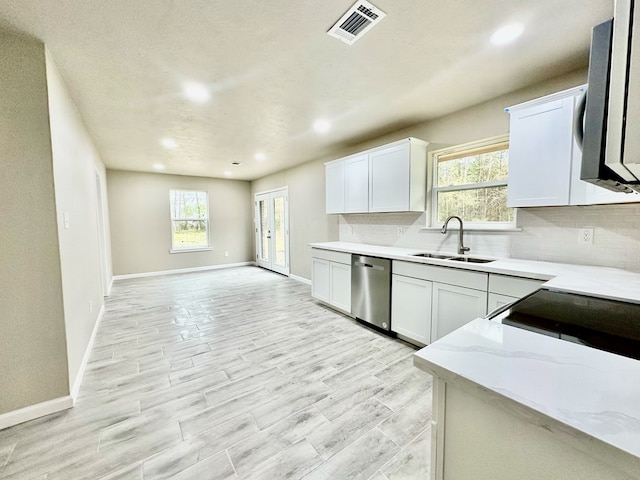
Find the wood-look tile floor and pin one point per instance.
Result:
(230, 374)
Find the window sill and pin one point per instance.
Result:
(189, 250)
(477, 229)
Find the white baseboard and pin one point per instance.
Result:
(110, 287)
(35, 411)
(75, 388)
(300, 279)
(182, 270)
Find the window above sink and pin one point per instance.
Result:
(470, 181)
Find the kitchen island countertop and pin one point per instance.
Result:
(576, 392)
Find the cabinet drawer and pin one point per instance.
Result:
(513, 286)
(452, 276)
(339, 257)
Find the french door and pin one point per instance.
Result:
(272, 230)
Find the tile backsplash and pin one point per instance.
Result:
(383, 229)
(548, 234)
(551, 234)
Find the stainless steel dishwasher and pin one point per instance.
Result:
(371, 290)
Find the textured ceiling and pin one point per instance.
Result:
(272, 71)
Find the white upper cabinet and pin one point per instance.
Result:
(356, 184)
(544, 159)
(390, 178)
(540, 152)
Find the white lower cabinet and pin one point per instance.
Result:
(320, 283)
(496, 300)
(331, 278)
(340, 286)
(411, 308)
(428, 302)
(504, 289)
(454, 307)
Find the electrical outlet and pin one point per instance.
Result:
(350, 229)
(226, 254)
(400, 231)
(585, 236)
(90, 306)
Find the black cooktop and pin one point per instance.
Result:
(608, 325)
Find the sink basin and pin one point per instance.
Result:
(471, 260)
(432, 255)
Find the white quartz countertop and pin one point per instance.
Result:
(612, 283)
(592, 391)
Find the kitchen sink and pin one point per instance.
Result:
(471, 260)
(432, 255)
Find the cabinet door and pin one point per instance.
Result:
(335, 187)
(340, 286)
(389, 179)
(540, 154)
(320, 279)
(454, 307)
(411, 308)
(357, 184)
(496, 300)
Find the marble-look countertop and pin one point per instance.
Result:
(605, 282)
(593, 392)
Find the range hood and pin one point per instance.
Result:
(608, 117)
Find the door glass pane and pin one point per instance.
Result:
(264, 230)
(279, 231)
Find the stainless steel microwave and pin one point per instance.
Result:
(608, 116)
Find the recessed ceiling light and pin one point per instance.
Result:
(261, 157)
(322, 126)
(196, 92)
(507, 34)
(227, 173)
(169, 143)
(158, 166)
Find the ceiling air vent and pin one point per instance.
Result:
(358, 20)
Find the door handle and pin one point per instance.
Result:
(367, 265)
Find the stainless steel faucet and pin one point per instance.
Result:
(461, 247)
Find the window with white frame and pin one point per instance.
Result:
(470, 181)
(189, 220)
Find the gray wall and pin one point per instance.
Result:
(75, 166)
(33, 360)
(141, 227)
(308, 221)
